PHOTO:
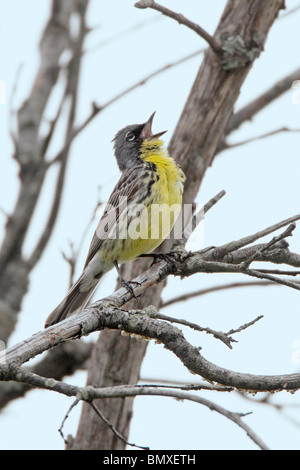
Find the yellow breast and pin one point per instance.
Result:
(166, 191)
(171, 177)
(161, 206)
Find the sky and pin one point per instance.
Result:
(261, 181)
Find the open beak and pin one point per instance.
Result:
(147, 130)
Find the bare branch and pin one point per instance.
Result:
(57, 363)
(96, 109)
(209, 290)
(72, 258)
(285, 234)
(197, 218)
(71, 93)
(246, 325)
(95, 317)
(289, 12)
(181, 20)
(227, 146)
(124, 33)
(224, 337)
(29, 153)
(107, 314)
(75, 403)
(254, 107)
(269, 277)
(90, 393)
(236, 245)
(112, 427)
(279, 254)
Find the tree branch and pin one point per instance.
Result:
(96, 108)
(30, 150)
(254, 107)
(181, 20)
(227, 146)
(58, 362)
(89, 394)
(108, 314)
(209, 290)
(224, 337)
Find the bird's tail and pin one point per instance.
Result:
(74, 301)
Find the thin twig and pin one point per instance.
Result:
(269, 277)
(289, 12)
(71, 260)
(196, 219)
(70, 94)
(237, 244)
(96, 109)
(279, 271)
(181, 20)
(209, 290)
(120, 34)
(112, 427)
(176, 384)
(246, 325)
(287, 233)
(260, 102)
(224, 337)
(64, 420)
(74, 253)
(227, 146)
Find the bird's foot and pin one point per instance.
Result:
(126, 284)
(169, 257)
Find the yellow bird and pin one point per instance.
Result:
(139, 215)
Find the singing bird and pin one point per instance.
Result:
(139, 215)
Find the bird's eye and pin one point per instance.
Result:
(130, 136)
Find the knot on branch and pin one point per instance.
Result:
(235, 53)
(86, 394)
(144, 4)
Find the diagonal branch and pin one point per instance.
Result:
(237, 244)
(255, 255)
(181, 20)
(258, 104)
(97, 108)
(224, 337)
(209, 290)
(227, 146)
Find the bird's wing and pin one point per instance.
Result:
(120, 198)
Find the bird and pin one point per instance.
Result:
(140, 213)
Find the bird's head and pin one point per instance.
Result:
(128, 142)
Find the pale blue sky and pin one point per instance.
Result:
(262, 185)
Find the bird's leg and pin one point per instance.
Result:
(124, 283)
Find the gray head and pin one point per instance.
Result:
(128, 141)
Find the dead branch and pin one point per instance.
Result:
(258, 104)
(181, 20)
(89, 394)
(209, 290)
(108, 314)
(30, 149)
(59, 362)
